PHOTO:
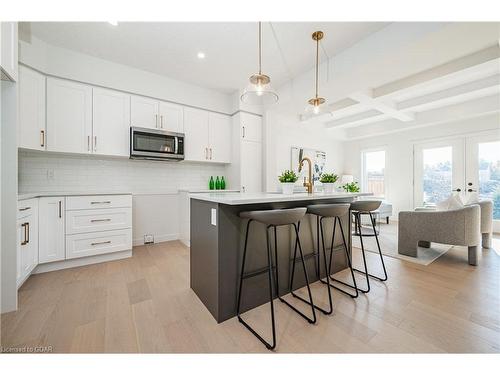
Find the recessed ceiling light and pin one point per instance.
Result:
(201, 55)
(114, 23)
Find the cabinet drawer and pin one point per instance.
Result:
(87, 244)
(89, 202)
(85, 221)
(26, 207)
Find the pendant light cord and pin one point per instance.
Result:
(260, 47)
(317, 59)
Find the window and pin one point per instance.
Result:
(373, 178)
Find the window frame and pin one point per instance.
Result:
(363, 179)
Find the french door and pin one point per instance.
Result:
(462, 166)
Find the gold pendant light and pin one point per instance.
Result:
(316, 102)
(259, 90)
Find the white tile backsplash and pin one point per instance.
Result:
(76, 173)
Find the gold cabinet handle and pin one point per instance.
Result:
(24, 242)
(97, 220)
(27, 228)
(42, 136)
(100, 243)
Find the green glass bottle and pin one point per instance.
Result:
(222, 183)
(211, 184)
(217, 183)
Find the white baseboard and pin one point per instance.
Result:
(158, 238)
(70, 263)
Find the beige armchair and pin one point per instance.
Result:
(486, 222)
(455, 227)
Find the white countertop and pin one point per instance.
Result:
(188, 190)
(250, 198)
(24, 196)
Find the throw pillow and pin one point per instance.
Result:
(453, 202)
(472, 199)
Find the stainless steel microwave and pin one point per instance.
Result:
(156, 144)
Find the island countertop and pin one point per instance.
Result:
(233, 198)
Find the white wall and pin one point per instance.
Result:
(399, 154)
(154, 185)
(8, 98)
(77, 66)
(282, 132)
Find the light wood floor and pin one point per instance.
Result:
(144, 304)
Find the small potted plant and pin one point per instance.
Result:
(351, 187)
(328, 180)
(288, 179)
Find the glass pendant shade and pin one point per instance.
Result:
(315, 106)
(259, 90)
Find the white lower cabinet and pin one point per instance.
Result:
(96, 243)
(51, 214)
(83, 221)
(98, 224)
(52, 230)
(27, 239)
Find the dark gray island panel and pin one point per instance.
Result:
(216, 252)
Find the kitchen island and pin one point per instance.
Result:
(217, 238)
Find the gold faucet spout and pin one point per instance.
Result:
(310, 183)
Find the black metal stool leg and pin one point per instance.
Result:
(270, 270)
(310, 302)
(349, 263)
(358, 222)
(379, 252)
(326, 312)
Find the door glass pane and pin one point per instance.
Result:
(374, 172)
(489, 174)
(437, 176)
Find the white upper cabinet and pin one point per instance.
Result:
(196, 134)
(8, 51)
(219, 141)
(69, 116)
(31, 109)
(144, 112)
(251, 127)
(111, 122)
(171, 117)
(251, 167)
(51, 234)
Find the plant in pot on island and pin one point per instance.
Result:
(351, 187)
(328, 181)
(288, 179)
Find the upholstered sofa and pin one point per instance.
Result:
(454, 227)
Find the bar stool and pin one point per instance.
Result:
(323, 212)
(358, 209)
(273, 219)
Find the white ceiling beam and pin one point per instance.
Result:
(384, 107)
(467, 64)
(366, 117)
(454, 112)
(458, 94)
